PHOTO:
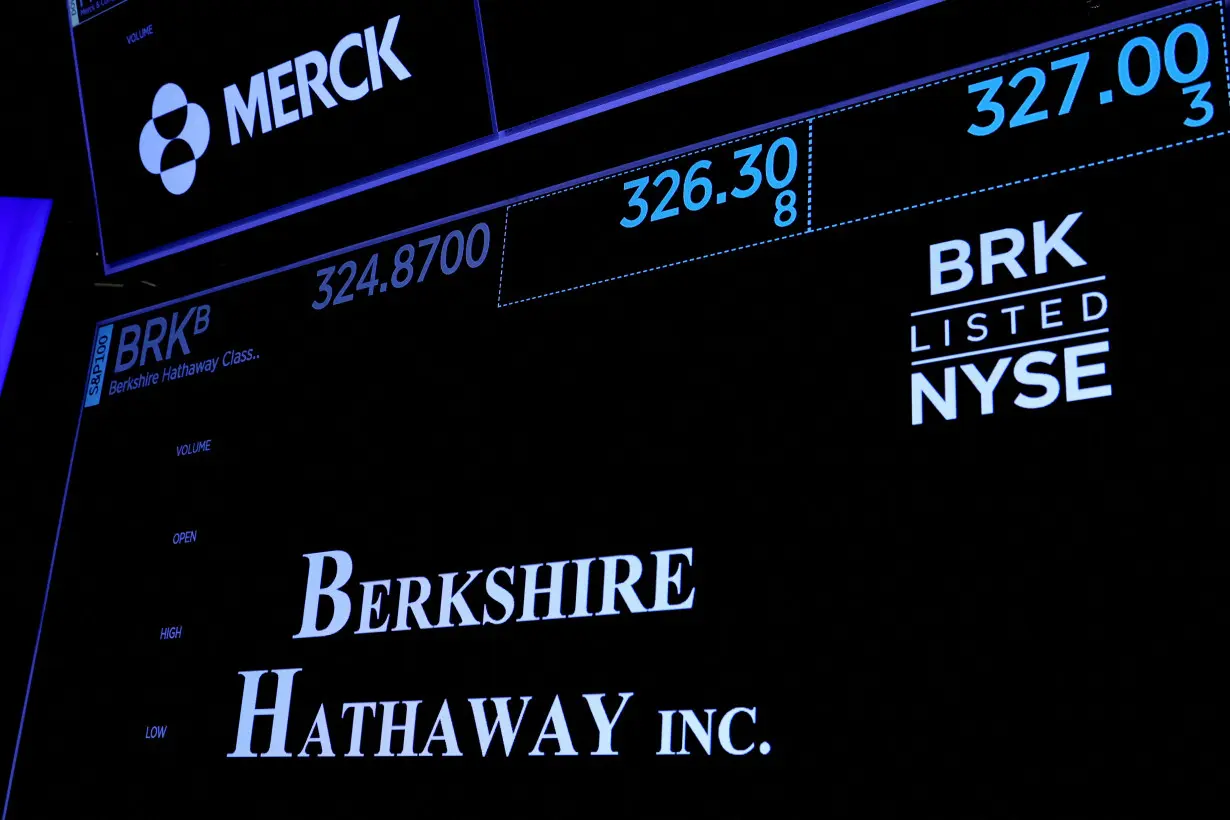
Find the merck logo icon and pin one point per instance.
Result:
(175, 137)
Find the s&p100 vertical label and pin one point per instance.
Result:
(98, 365)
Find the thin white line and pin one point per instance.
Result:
(1008, 296)
(1034, 343)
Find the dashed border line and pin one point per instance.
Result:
(503, 254)
(656, 268)
(1225, 45)
(1024, 180)
(810, 125)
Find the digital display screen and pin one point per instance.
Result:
(197, 122)
(200, 127)
(750, 449)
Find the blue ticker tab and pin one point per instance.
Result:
(98, 368)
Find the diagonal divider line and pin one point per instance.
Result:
(971, 353)
(990, 299)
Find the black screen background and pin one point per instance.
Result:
(999, 614)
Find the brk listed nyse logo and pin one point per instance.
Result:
(1049, 332)
(177, 134)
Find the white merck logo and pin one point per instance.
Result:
(174, 138)
(310, 73)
